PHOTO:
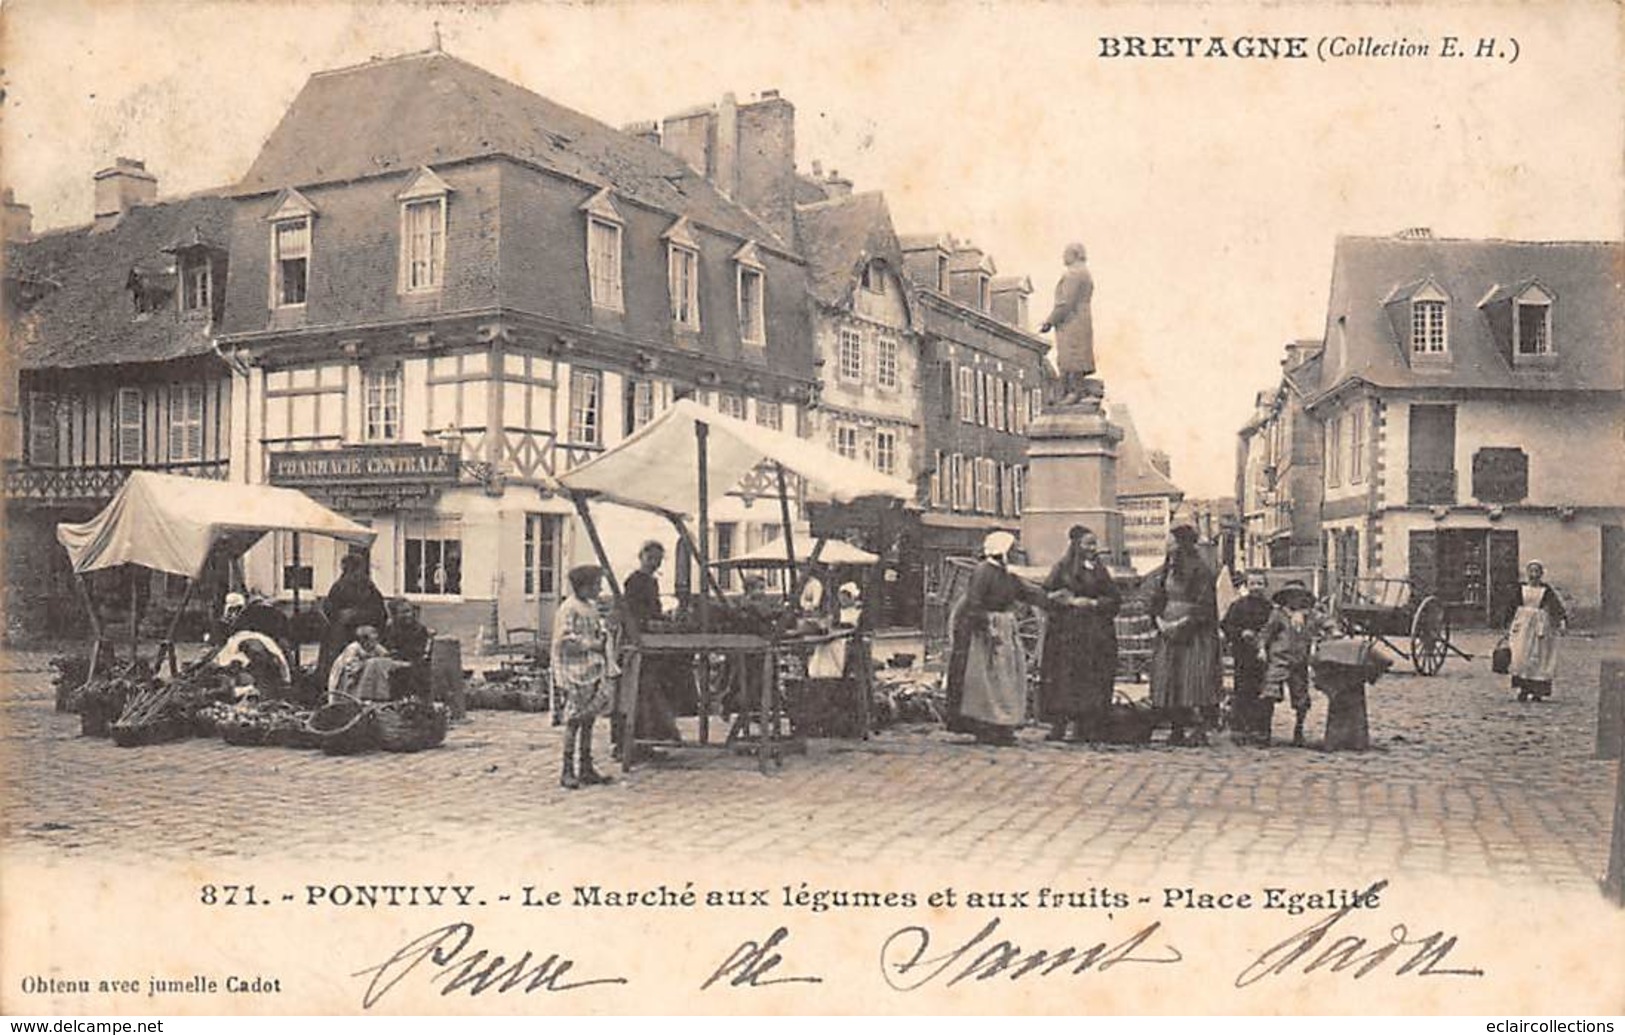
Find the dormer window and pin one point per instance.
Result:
(683, 275)
(1532, 330)
(290, 249)
(423, 232)
(1428, 327)
(984, 300)
(197, 287)
(752, 289)
(604, 251)
(873, 277)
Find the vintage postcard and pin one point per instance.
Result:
(922, 507)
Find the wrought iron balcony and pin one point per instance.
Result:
(25, 483)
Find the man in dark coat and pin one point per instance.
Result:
(657, 711)
(1079, 664)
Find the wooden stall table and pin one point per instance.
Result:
(745, 648)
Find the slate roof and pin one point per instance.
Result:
(1135, 475)
(84, 314)
(837, 236)
(1588, 317)
(431, 108)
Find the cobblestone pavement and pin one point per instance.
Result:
(1463, 782)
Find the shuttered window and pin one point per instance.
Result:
(129, 444)
(186, 423)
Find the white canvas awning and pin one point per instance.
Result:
(170, 523)
(769, 555)
(657, 468)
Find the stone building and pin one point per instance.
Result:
(1471, 397)
(448, 288)
(1278, 472)
(984, 378)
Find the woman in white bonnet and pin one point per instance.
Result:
(987, 672)
(1534, 619)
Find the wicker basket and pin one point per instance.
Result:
(141, 734)
(346, 727)
(411, 725)
(243, 734)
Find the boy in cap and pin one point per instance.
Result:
(1286, 641)
(581, 668)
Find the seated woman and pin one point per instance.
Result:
(362, 669)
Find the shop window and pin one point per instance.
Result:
(543, 538)
(434, 562)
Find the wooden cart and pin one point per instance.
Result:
(1386, 609)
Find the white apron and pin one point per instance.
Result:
(1533, 639)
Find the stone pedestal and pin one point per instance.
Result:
(1071, 480)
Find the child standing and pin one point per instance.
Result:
(1286, 641)
(581, 670)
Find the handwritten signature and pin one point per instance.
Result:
(1349, 952)
(906, 968)
(456, 967)
(909, 961)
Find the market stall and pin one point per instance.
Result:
(178, 525)
(671, 467)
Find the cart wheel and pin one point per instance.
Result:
(1430, 636)
(1030, 635)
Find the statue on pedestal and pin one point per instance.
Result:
(1075, 333)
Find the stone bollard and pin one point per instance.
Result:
(1611, 708)
(446, 675)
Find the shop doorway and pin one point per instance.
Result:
(1472, 570)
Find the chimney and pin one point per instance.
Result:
(1298, 353)
(766, 157)
(121, 188)
(747, 151)
(836, 185)
(687, 135)
(648, 131)
(19, 219)
(1415, 233)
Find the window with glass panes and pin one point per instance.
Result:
(752, 322)
(846, 441)
(886, 451)
(683, 282)
(434, 560)
(290, 265)
(967, 395)
(423, 240)
(543, 535)
(604, 262)
(851, 355)
(886, 362)
(197, 286)
(732, 405)
(770, 414)
(381, 398)
(586, 407)
(1427, 327)
(640, 403)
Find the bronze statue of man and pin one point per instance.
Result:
(1073, 325)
